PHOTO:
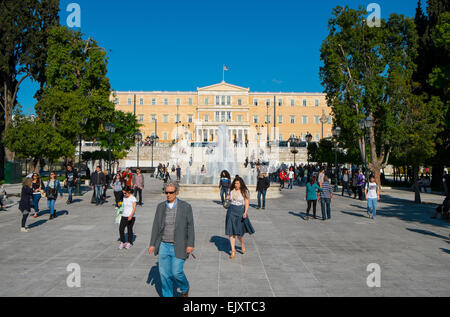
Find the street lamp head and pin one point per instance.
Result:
(369, 121)
(308, 137)
(336, 132)
(109, 127)
(138, 136)
(361, 124)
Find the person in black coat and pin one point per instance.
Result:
(261, 187)
(26, 201)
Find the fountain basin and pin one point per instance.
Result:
(212, 192)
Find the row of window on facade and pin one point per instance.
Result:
(226, 116)
(219, 100)
(256, 137)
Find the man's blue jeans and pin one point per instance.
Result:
(263, 194)
(51, 205)
(372, 205)
(171, 270)
(325, 203)
(70, 190)
(98, 193)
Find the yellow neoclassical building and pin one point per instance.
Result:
(249, 116)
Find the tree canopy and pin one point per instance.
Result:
(367, 71)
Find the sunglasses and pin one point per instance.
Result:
(169, 193)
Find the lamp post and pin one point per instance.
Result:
(336, 132)
(138, 136)
(364, 124)
(294, 142)
(109, 127)
(153, 139)
(258, 127)
(267, 122)
(308, 138)
(323, 119)
(78, 189)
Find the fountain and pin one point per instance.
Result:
(222, 156)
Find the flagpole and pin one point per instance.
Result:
(223, 72)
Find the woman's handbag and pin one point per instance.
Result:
(52, 193)
(226, 204)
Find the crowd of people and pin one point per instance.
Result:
(173, 234)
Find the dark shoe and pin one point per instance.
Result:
(51, 217)
(263, 207)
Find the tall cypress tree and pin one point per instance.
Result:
(431, 57)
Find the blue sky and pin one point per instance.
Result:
(181, 45)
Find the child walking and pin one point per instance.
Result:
(128, 218)
(372, 194)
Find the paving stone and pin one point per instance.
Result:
(287, 256)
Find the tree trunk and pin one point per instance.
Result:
(415, 171)
(35, 165)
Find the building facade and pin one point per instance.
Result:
(249, 116)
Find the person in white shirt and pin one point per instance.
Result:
(291, 174)
(128, 218)
(372, 193)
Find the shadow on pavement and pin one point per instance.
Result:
(428, 233)
(155, 279)
(37, 223)
(222, 244)
(403, 209)
(355, 214)
(300, 214)
(445, 250)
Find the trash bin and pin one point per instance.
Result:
(13, 173)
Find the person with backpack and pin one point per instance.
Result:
(51, 192)
(372, 193)
(26, 200)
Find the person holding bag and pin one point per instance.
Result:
(51, 191)
(38, 189)
(236, 221)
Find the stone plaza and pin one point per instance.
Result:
(287, 256)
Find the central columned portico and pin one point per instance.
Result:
(205, 132)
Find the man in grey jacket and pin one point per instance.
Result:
(173, 239)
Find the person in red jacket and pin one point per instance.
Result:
(283, 178)
(127, 177)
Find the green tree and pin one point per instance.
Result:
(77, 86)
(432, 73)
(126, 126)
(23, 49)
(368, 71)
(31, 138)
